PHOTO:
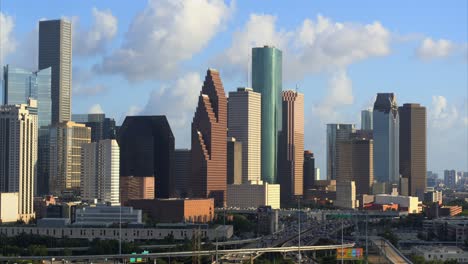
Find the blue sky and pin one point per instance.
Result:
(150, 57)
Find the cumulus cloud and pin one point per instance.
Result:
(430, 49)
(84, 83)
(178, 102)
(95, 39)
(95, 109)
(314, 46)
(164, 34)
(7, 41)
(443, 115)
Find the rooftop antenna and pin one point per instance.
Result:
(297, 88)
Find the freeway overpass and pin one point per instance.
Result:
(390, 252)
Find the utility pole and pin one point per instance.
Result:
(367, 237)
(299, 222)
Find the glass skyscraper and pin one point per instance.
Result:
(386, 123)
(267, 80)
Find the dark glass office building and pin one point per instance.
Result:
(101, 126)
(147, 149)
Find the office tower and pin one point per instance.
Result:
(100, 172)
(253, 194)
(317, 174)
(66, 140)
(102, 127)
(291, 146)
(267, 80)
(355, 163)
(450, 178)
(182, 172)
(55, 51)
(366, 119)
(244, 124)
(335, 134)
(386, 138)
(346, 194)
(431, 179)
(209, 131)
(413, 150)
(19, 86)
(147, 150)
(136, 188)
(234, 161)
(309, 170)
(18, 154)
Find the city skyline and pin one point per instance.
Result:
(439, 74)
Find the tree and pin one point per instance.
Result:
(37, 250)
(417, 259)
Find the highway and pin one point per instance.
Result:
(391, 253)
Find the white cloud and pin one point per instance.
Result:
(95, 109)
(442, 115)
(7, 41)
(84, 84)
(314, 46)
(95, 39)
(430, 49)
(178, 102)
(164, 34)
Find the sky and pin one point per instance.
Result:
(150, 58)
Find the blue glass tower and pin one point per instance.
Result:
(267, 80)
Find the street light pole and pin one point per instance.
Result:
(299, 221)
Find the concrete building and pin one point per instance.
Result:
(136, 188)
(66, 140)
(18, 154)
(209, 148)
(102, 215)
(234, 161)
(9, 207)
(244, 124)
(182, 172)
(102, 127)
(413, 149)
(367, 119)
(450, 178)
(177, 210)
(267, 220)
(409, 203)
(178, 232)
(147, 147)
(100, 172)
(346, 195)
(291, 147)
(335, 134)
(253, 195)
(55, 51)
(438, 253)
(386, 132)
(309, 170)
(267, 80)
(433, 196)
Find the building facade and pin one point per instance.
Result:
(209, 148)
(234, 161)
(55, 51)
(66, 140)
(450, 178)
(253, 195)
(244, 124)
(367, 119)
(335, 134)
(291, 147)
(102, 127)
(309, 170)
(346, 195)
(386, 139)
(100, 172)
(182, 172)
(18, 154)
(147, 150)
(267, 80)
(413, 149)
(136, 188)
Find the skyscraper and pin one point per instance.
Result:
(244, 124)
(66, 140)
(100, 171)
(267, 80)
(450, 178)
(309, 170)
(366, 119)
(413, 149)
(19, 86)
(209, 131)
(182, 172)
(18, 154)
(234, 161)
(147, 150)
(291, 147)
(335, 134)
(386, 139)
(102, 127)
(55, 51)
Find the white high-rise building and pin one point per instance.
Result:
(18, 154)
(100, 171)
(244, 124)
